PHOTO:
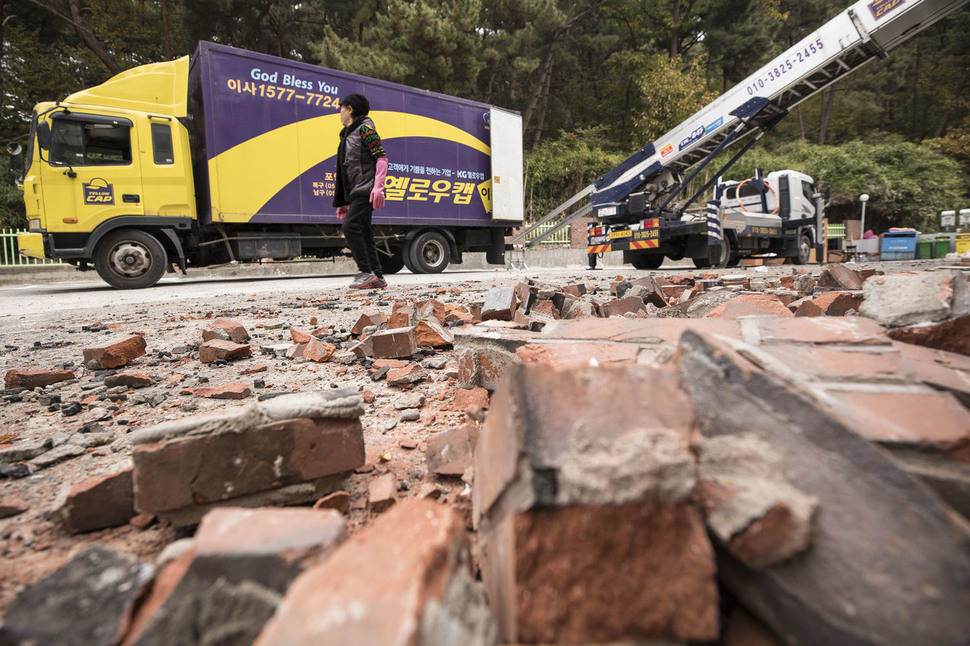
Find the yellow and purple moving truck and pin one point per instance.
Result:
(229, 156)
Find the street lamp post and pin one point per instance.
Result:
(862, 229)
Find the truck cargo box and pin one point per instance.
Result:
(265, 132)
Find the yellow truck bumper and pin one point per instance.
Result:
(31, 244)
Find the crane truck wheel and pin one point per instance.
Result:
(647, 261)
(429, 253)
(804, 250)
(130, 259)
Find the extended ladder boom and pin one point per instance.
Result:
(867, 29)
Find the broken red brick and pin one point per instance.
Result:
(227, 330)
(31, 379)
(219, 350)
(367, 320)
(106, 501)
(382, 492)
(116, 353)
(339, 500)
(183, 472)
(751, 305)
(839, 276)
(430, 334)
(395, 343)
(237, 390)
(129, 379)
(452, 453)
(319, 351)
(300, 337)
(410, 573)
(465, 397)
(838, 303)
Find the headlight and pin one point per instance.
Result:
(33, 224)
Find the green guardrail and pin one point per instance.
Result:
(836, 230)
(10, 254)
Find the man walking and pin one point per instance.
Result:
(361, 170)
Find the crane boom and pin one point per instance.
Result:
(868, 29)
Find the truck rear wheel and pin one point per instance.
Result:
(429, 253)
(130, 259)
(647, 260)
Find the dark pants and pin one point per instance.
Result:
(360, 237)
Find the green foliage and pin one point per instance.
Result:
(11, 200)
(671, 92)
(559, 169)
(908, 184)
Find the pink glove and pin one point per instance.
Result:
(342, 212)
(377, 193)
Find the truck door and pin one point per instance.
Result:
(90, 174)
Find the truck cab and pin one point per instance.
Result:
(109, 182)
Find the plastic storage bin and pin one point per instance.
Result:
(898, 245)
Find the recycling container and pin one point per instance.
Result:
(924, 249)
(898, 245)
(941, 246)
(962, 243)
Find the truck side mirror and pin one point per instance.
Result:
(44, 135)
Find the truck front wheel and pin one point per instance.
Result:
(804, 250)
(130, 259)
(429, 253)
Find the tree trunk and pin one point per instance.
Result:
(165, 33)
(545, 70)
(81, 26)
(917, 133)
(828, 98)
(801, 121)
(542, 112)
(947, 113)
(674, 42)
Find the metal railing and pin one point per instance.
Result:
(10, 254)
(557, 237)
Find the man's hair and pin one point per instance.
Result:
(358, 103)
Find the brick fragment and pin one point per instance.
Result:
(338, 500)
(217, 349)
(368, 320)
(394, 343)
(500, 304)
(619, 307)
(430, 310)
(237, 390)
(232, 579)
(465, 397)
(838, 303)
(545, 309)
(403, 314)
(87, 601)
(382, 492)
(952, 335)
(751, 305)
(577, 581)
(226, 330)
(410, 374)
(319, 351)
(12, 505)
(129, 379)
(31, 379)
(300, 337)
(219, 466)
(838, 276)
(430, 334)
(98, 503)
(417, 576)
(806, 307)
(451, 453)
(115, 353)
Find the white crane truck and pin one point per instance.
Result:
(635, 204)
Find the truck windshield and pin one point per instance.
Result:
(94, 141)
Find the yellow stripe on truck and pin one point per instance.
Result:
(247, 176)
